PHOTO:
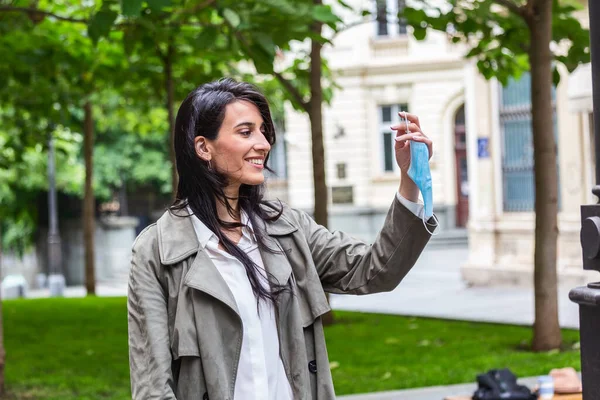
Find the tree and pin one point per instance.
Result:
(508, 37)
(219, 34)
(175, 35)
(69, 65)
(32, 105)
(28, 100)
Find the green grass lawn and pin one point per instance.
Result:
(77, 349)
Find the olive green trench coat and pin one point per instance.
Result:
(185, 333)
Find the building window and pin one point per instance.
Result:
(389, 116)
(517, 145)
(401, 4)
(388, 21)
(278, 155)
(342, 195)
(341, 170)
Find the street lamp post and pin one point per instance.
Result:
(588, 297)
(56, 280)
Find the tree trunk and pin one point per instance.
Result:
(2, 352)
(171, 114)
(546, 330)
(88, 200)
(0, 249)
(316, 127)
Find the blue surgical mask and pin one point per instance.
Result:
(420, 173)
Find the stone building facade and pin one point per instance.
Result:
(483, 163)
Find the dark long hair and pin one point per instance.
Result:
(200, 187)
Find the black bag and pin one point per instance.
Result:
(501, 384)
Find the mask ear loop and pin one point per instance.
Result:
(436, 224)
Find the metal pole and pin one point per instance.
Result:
(588, 297)
(56, 280)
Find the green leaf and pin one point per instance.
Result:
(345, 5)
(555, 76)
(324, 14)
(232, 17)
(266, 42)
(419, 32)
(101, 24)
(414, 16)
(475, 51)
(365, 13)
(262, 60)
(208, 36)
(157, 4)
(131, 8)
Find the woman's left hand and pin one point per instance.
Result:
(404, 135)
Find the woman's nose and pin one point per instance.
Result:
(262, 143)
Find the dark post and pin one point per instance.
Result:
(588, 297)
(56, 280)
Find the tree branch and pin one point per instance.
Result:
(293, 91)
(511, 6)
(35, 11)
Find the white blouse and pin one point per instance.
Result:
(260, 374)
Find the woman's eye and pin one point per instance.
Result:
(246, 133)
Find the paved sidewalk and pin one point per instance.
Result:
(108, 289)
(434, 288)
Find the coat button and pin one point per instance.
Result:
(312, 366)
(205, 397)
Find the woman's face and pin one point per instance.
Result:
(241, 147)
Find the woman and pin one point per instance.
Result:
(227, 290)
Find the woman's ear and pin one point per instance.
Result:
(201, 148)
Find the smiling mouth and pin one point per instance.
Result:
(256, 162)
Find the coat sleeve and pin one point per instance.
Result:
(348, 265)
(149, 350)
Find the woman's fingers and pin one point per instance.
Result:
(417, 137)
(408, 136)
(412, 127)
(405, 132)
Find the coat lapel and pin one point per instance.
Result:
(204, 276)
(177, 241)
(276, 262)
